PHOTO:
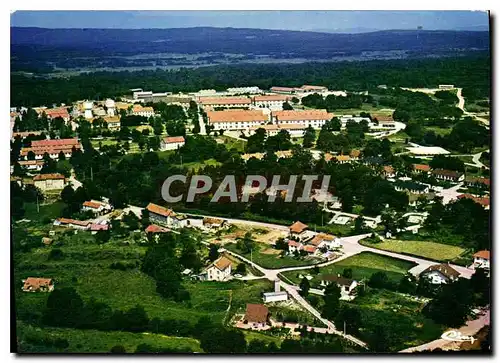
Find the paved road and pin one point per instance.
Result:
(272, 276)
(475, 159)
(203, 130)
(470, 329)
(399, 126)
(450, 194)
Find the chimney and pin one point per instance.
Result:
(277, 286)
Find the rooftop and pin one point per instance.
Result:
(298, 115)
(237, 116)
(298, 227)
(256, 313)
(156, 209)
(52, 176)
(444, 269)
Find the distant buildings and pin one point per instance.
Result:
(227, 102)
(273, 102)
(138, 110)
(96, 207)
(448, 175)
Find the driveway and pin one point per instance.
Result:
(450, 194)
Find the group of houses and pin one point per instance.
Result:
(301, 239)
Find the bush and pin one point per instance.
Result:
(118, 349)
(56, 254)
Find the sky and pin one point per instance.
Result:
(356, 21)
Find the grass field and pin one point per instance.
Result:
(400, 316)
(232, 143)
(194, 166)
(95, 341)
(431, 250)
(268, 260)
(438, 130)
(363, 265)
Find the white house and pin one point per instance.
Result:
(294, 246)
(347, 286)
(440, 274)
(325, 240)
(172, 143)
(72, 223)
(138, 110)
(276, 295)
(273, 102)
(298, 229)
(219, 270)
(482, 259)
(214, 223)
(96, 207)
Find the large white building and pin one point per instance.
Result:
(236, 119)
(272, 130)
(314, 118)
(138, 110)
(229, 102)
(440, 274)
(172, 143)
(273, 102)
(110, 105)
(241, 90)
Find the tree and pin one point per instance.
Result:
(379, 339)
(241, 269)
(256, 141)
(304, 286)
(309, 137)
(351, 317)
(379, 280)
(223, 341)
(64, 308)
(332, 300)
(452, 304)
(480, 284)
(189, 257)
(347, 273)
(257, 346)
(246, 244)
(359, 225)
(287, 106)
(213, 253)
(118, 349)
(408, 284)
(103, 236)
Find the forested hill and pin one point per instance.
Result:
(243, 41)
(473, 74)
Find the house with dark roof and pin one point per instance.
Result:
(477, 182)
(411, 187)
(448, 175)
(257, 315)
(219, 270)
(440, 274)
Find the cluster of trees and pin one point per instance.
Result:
(464, 218)
(260, 142)
(164, 266)
(341, 142)
(446, 162)
(20, 195)
(332, 102)
(472, 73)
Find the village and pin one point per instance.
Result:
(302, 265)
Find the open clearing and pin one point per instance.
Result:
(431, 250)
(363, 265)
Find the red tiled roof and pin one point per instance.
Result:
(99, 227)
(153, 228)
(73, 221)
(388, 169)
(156, 209)
(222, 263)
(482, 254)
(299, 115)
(92, 204)
(237, 116)
(55, 143)
(256, 313)
(36, 283)
(421, 167)
(271, 98)
(355, 153)
(298, 227)
(173, 139)
(292, 243)
(210, 220)
(484, 201)
(57, 112)
(312, 88)
(382, 118)
(448, 173)
(320, 237)
(53, 176)
(310, 249)
(225, 101)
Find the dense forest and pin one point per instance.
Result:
(471, 73)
